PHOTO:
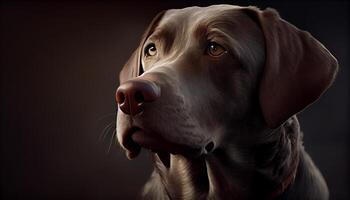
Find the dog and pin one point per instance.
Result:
(213, 93)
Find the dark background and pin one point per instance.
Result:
(59, 67)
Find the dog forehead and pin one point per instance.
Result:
(191, 16)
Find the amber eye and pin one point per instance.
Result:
(151, 50)
(215, 49)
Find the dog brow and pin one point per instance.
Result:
(165, 35)
(201, 30)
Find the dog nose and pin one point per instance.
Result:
(132, 95)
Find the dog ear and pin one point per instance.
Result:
(298, 68)
(133, 66)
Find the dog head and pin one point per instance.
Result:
(200, 74)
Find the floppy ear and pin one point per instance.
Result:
(133, 66)
(298, 68)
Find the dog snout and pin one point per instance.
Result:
(132, 95)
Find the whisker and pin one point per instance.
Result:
(107, 136)
(111, 140)
(105, 131)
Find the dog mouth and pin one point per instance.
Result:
(137, 138)
(132, 148)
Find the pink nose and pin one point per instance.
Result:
(132, 95)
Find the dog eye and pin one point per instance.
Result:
(215, 49)
(151, 50)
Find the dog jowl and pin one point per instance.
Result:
(213, 93)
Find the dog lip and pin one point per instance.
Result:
(132, 149)
(150, 140)
(155, 142)
(137, 137)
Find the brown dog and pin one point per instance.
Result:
(213, 93)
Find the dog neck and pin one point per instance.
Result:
(233, 172)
